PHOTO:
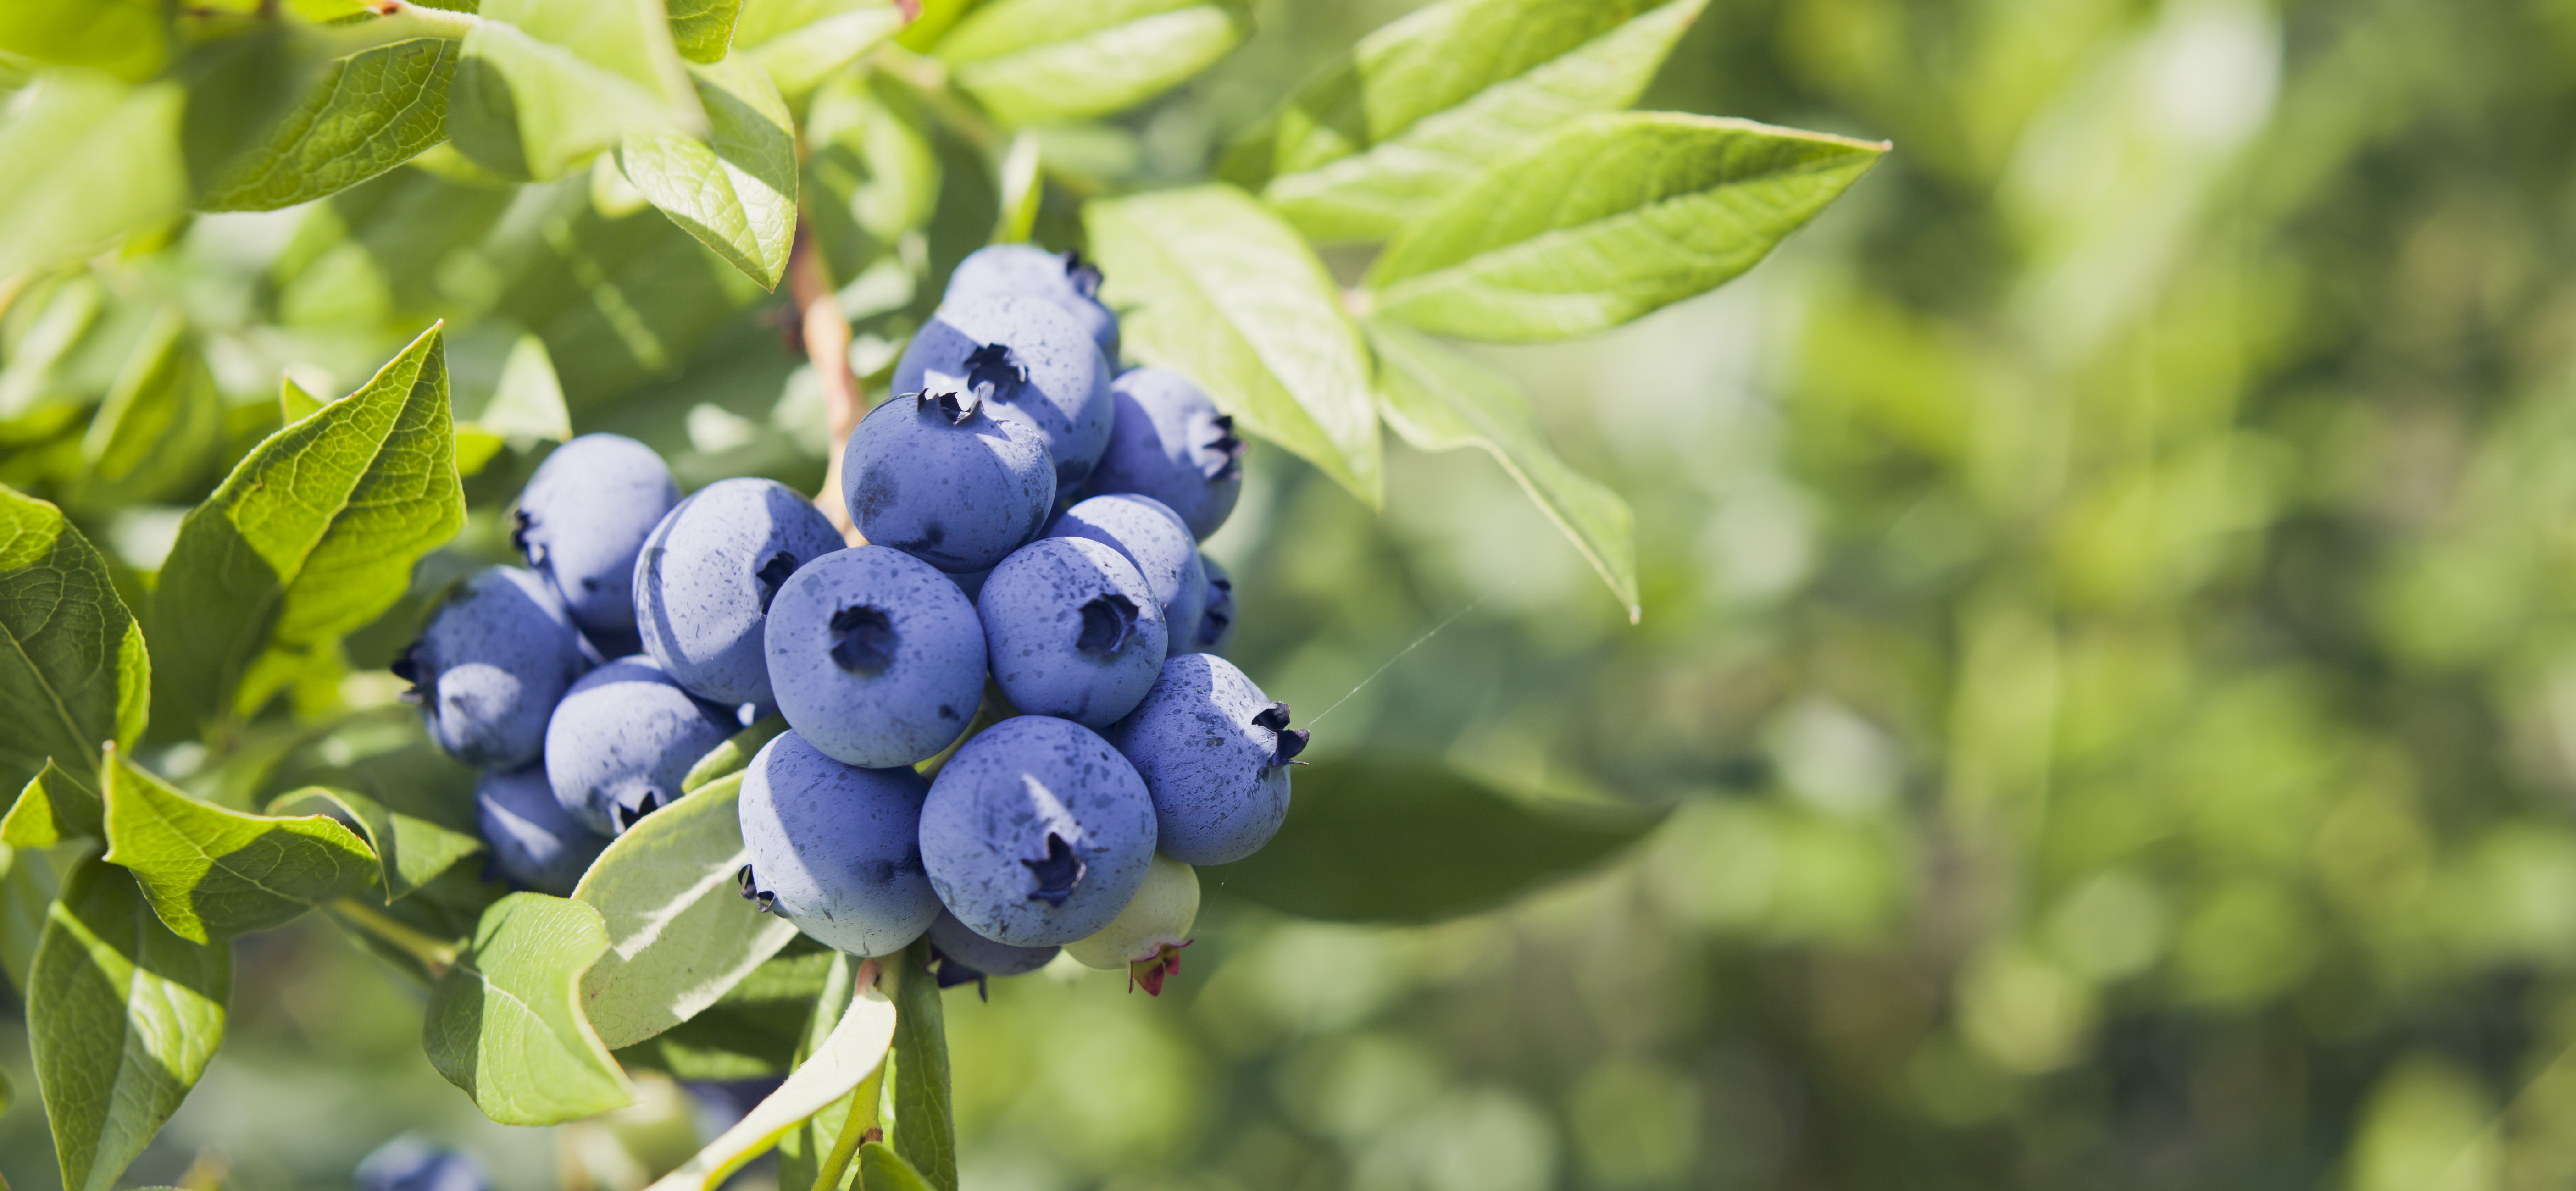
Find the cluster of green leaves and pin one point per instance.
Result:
(484, 165)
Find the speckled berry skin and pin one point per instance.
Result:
(490, 666)
(581, 520)
(622, 739)
(1071, 630)
(1154, 538)
(1036, 832)
(939, 478)
(836, 848)
(1059, 277)
(876, 659)
(1218, 779)
(1170, 442)
(1215, 629)
(705, 579)
(966, 949)
(1048, 375)
(533, 840)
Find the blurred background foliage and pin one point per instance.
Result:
(2106, 648)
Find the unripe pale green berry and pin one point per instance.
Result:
(1146, 938)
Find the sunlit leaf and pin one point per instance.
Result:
(54, 808)
(122, 1017)
(1392, 841)
(1607, 219)
(802, 42)
(313, 534)
(409, 851)
(1053, 61)
(125, 38)
(1440, 400)
(735, 190)
(1210, 284)
(884, 1169)
(751, 1032)
(74, 673)
(855, 1048)
(544, 84)
(703, 29)
(680, 932)
(88, 161)
(369, 112)
(1420, 107)
(211, 872)
(505, 1023)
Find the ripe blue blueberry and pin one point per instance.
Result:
(1214, 752)
(705, 580)
(581, 520)
(1170, 443)
(964, 955)
(835, 848)
(1154, 538)
(1071, 631)
(1063, 278)
(876, 658)
(1215, 629)
(408, 1163)
(1031, 362)
(622, 739)
(1036, 832)
(534, 841)
(490, 667)
(936, 476)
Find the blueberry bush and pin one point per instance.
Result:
(721, 764)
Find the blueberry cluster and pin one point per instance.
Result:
(1031, 524)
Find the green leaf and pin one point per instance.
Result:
(1212, 285)
(734, 754)
(527, 406)
(703, 29)
(803, 42)
(1023, 188)
(38, 391)
(241, 87)
(160, 426)
(90, 160)
(410, 852)
(73, 670)
(55, 808)
(30, 880)
(752, 1032)
(925, 1130)
(883, 1169)
(211, 872)
(1420, 107)
(313, 535)
(122, 1016)
(505, 1023)
(544, 84)
(1607, 219)
(1440, 400)
(1055, 61)
(736, 190)
(855, 1048)
(1391, 841)
(125, 38)
(369, 112)
(680, 932)
(293, 403)
(802, 1148)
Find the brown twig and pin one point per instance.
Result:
(827, 344)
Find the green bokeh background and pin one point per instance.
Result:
(2106, 649)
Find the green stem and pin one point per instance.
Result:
(863, 1116)
(399, 20)
(436, 954)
